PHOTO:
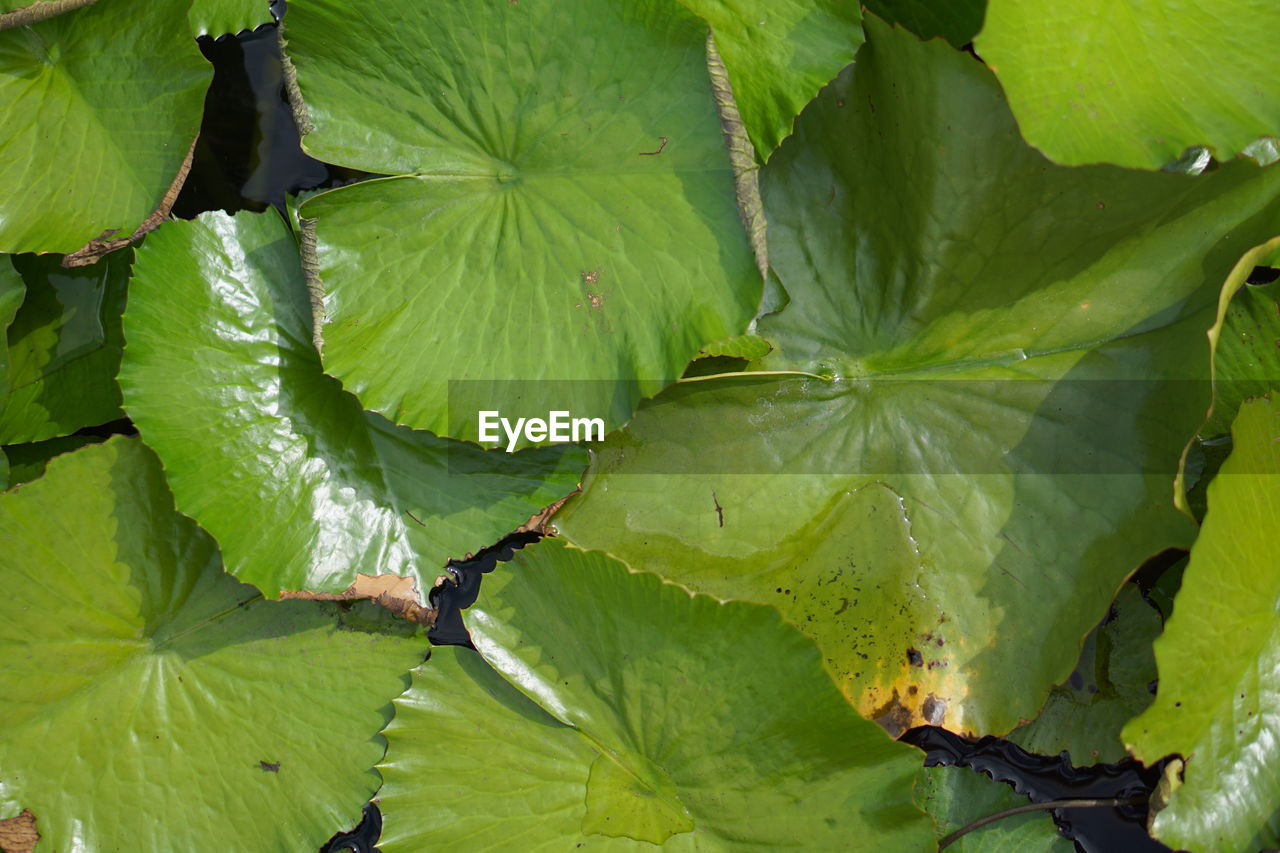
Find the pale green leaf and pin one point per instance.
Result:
(301, 487)
(557, 172)
(100, 108)
(1219, 659)
(1136, 83)
(142, 690)
(633, 712)
(1017, 361)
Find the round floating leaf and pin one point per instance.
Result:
(957, 796)
(1009, 344)
(148, 696)
(101, 105)
(633, 712)
(301, 487)
(64, 347)
(218, 17)
(558, 171)
(1136, 83)
(778, 54)
(1219, 659)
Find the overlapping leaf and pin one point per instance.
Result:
(957, 796)
(216, 17)
(1114, 681)
(147, 696)
(610, 710)
(1219, 659)
(1008, 345)
(778, 54)
(101, 106)
(559, 231)
(1136, 83)
(957, 21)
(64, 347)
(301, 487)
(1245, 340)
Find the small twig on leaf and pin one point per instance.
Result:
(1034, 807)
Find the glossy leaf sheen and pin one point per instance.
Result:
(100, 107)
(778, 54)
(1136, 83)
(537, 229)
(1219, 659)
(998, 432)
(630, 710)
(301, 487)
(137, 675)
(64, 348)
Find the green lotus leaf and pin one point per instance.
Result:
(101, 106)
(778, 54)
(1113, 682)
(148, 696)
(1219, 659)
(301, 487)
(64, 347)
(610, 709)
(218, 17)
(1009, 345)
(957, 21)
(957, 796)
(1098, 82)
(556, 165)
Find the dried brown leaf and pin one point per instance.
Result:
(18, 834)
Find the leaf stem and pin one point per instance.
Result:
(1032, 807)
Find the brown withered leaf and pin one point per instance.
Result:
(18, 834)
(538, 522)
(397, 594)
(40, 10)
